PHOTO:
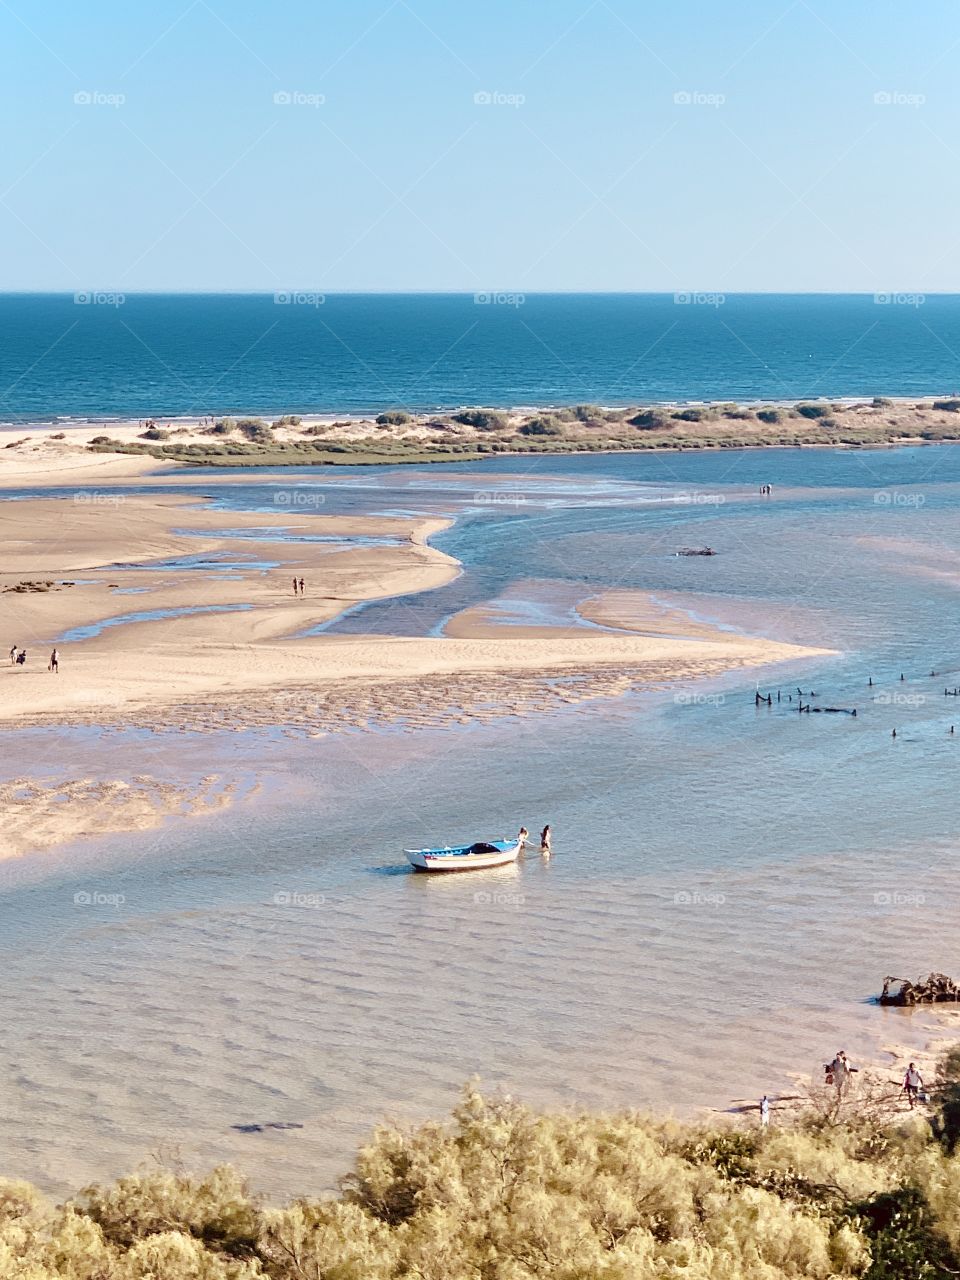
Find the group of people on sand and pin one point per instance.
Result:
(18, 658)
(296, 584)
(837, 1073)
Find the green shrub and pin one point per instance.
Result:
(288, 420)
(545, 425)
(948, 406)
(155, 433)
(587, 412)
(393, 418)
(650, 419)
(813, 410)
(770, 415)
(481, 419)
(255, 430)
(692, 415)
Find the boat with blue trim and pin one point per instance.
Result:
(468, 857)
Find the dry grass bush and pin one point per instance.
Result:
(502, 1192)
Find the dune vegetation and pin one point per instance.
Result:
(502, 1192)
(399, 436)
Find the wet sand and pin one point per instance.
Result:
(171, 614)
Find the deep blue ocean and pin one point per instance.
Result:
(102, 355)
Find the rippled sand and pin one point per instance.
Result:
(343, 997)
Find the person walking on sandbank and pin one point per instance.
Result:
(912, 1084)
(545, 841)
(13, 655)
(301, 586)
(294, 586)
(54, 664)
(764, 1112)
(839, 1070)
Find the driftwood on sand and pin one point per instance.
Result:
(935, 988)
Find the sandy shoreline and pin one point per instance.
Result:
(45, 454)
(172, 614)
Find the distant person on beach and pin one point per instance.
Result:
(294, 586)
(522, 836)
(764, 1111)
(545, 840)
(22, 658)
(301, 586)
(13, 655)
(912, 1084)
(55, 662)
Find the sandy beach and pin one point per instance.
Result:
(171, 614)
(107, 452)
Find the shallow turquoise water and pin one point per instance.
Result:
(730, 884)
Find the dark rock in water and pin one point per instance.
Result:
(935, 988)
(696, 551)
(267, 1124)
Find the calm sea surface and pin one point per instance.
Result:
(729, 885)
(102, 355)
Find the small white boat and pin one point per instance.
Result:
(467, 857)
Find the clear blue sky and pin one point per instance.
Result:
(597, 180)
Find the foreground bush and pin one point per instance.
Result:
(505, 1193)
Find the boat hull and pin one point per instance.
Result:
(460, 858)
